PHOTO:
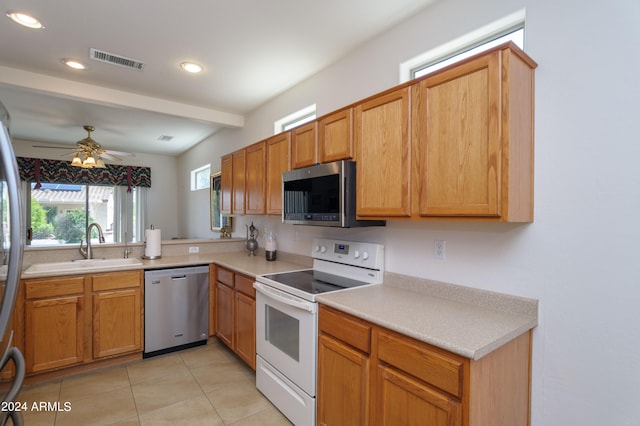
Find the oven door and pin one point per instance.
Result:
(286, 335)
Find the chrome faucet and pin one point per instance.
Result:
(127, 250)
(88, 252)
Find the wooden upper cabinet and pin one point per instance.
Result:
(303, 145)
(278, 161)
(383, 155)
(473, 139)
(226, 184)
(456, 144)
(459, 159)
(238, 182)
(255, 178)
(335, 136)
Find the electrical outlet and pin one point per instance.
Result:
(194, 250)
(439, 249)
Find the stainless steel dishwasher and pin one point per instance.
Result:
(176, 309)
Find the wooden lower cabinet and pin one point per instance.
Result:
(369, 375)
(73, 320)
(117, 313)
(402, 400)
(55, 336)
(224, 313)
(54, 323)
(235, 313)
(343, 383)
(245, 331)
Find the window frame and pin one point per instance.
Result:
(129, 214)
(295, 119)
(460, 45)
(196, 173)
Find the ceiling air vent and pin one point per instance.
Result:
(110, 58)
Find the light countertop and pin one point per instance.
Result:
(465, 321)
(239, 261)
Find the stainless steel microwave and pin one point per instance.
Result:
(322, 195)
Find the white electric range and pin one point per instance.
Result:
(287, 320)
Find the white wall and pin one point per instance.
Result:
(162, 210)
(580, 256)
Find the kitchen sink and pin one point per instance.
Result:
(81, 265)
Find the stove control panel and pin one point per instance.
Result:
(366, 255)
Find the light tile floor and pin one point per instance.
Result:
(206, 385)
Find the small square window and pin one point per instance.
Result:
(298, 118)
(200, 177)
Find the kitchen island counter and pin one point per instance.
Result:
(462, 320)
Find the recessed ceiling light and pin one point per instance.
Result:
(191, 67)
(25, 20)
(72, 63)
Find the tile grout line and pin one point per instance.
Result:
(203, 391)
(133, 395)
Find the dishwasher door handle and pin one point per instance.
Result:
(178, 277)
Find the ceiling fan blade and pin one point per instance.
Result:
(110, 156)
(54, 147)
(120, 153)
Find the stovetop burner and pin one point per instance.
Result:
(314, 282)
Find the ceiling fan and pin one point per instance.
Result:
(90, 154)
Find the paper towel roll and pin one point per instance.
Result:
(153, 246)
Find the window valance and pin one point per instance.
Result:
(56, 171)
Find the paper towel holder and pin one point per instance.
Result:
(144, 256)
(151, 257)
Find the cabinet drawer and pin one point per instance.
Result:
(422, 361)
(349, 329)
(245, 285)
(224, 276)
(51, 287)
(116, 280)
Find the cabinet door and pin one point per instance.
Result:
(117, 322)
(303, 146)
(224, 314)
(238, 185)
(278, 161)
(226, 184)
(245, 328)
(54, 334)
(255, 178)
(382, 150)
(343, 384)
(335, 136)
(401, 400)
(457, 120)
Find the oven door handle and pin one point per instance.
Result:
(285, 298)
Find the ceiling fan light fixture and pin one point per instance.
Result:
(191, 67)
(72, 63)
(100, 164)
(76, 161)
(25, 20)
(89, 162)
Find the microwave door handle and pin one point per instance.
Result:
(284, 298)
